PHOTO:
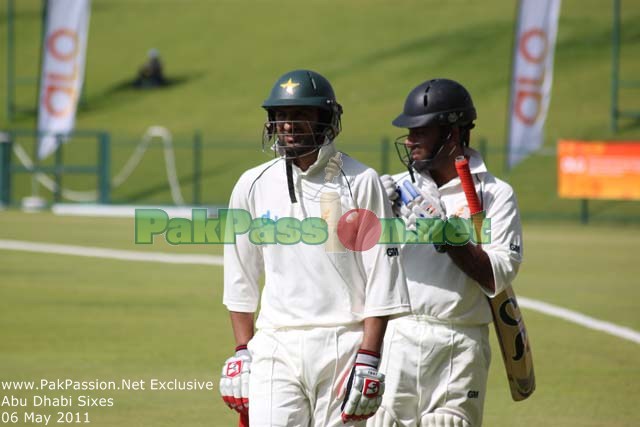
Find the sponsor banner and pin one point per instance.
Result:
(63, 61)
(531, 79)
(599, 170)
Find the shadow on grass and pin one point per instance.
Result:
(123, 91)
(118, 94)
(169, 82)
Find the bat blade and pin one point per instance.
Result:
(507, 318)
(514, 344)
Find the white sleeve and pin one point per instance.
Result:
(243, 262)
(386, 288)
(505, 249)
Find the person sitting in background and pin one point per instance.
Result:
(150, 74)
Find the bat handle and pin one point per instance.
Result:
(469, 188)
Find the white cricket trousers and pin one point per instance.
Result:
(433, 368)
(297, 375)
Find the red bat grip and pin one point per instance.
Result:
(244, 421)
(469, 188)
(462, 167)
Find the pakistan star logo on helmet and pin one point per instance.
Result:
(289, 86)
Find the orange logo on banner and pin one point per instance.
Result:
(599, 170)
(533, 47)
(60, 92)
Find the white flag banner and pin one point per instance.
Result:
(532, 76)
(63, 61)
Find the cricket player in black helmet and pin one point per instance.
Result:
(437, 359)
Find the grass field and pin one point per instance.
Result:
(227, 54)
(85, 318)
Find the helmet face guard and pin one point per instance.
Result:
(404, 154)
(313, 137)
(440, 152)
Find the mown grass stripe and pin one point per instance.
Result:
(124, 255)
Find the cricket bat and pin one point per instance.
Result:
(507, 318)
(244, 421)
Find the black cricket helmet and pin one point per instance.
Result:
(302, 88)
(437, 102)
(440, 102)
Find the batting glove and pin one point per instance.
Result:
(364, 389)
(234, 384)
(424, 204)
(417, 205)
(414, 204)
(390, 187)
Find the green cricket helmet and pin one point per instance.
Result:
(302, 88)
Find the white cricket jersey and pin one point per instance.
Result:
(437, 287)
(307, 285)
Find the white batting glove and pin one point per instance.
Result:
(390, 187)
(365, 388)
(393, 193)
(426, 204)
(423, 204)
(234, 383)
(415, 204)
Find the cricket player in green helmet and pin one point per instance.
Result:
(313, 359)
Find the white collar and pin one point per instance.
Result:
(324, 154)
